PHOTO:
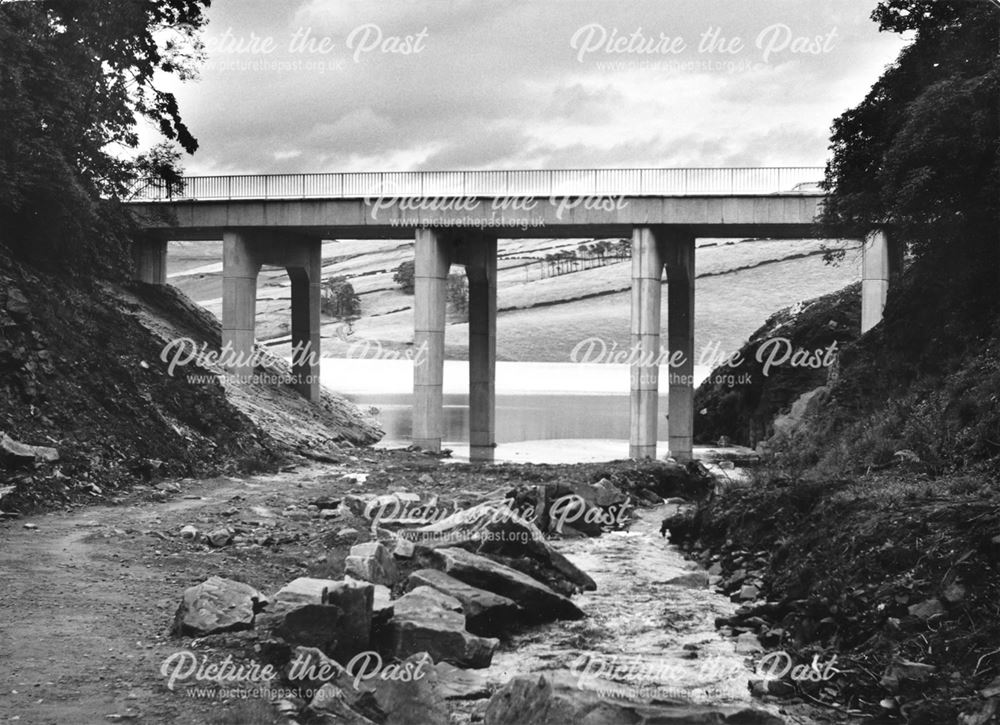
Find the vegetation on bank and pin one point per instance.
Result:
(83, 363)
(877, 514)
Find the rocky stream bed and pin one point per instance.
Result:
(556, 600)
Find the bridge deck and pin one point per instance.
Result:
(513, 183)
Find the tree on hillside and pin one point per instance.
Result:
(75, 75)
(920, 153)
(404, 276)
(339, 299)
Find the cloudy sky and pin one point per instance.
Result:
(352, 85)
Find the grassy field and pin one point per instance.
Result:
(541, 319)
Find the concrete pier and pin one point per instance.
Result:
(678, 255)
(647, 274)
(481, 269)
(304, 264)
(881, 261)
(433, 260)
(301, 256)
(149, 260)
(280, 222)
(240, 267)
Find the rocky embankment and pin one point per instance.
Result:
(82, 374)
(884, 590)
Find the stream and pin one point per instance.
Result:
(657, 639)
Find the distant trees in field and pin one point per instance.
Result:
(586, 256)
(339, 299)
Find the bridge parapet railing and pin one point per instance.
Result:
(502, 183)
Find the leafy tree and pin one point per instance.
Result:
(404, 276)
(339, 299)
(75, 75)
(920, 153)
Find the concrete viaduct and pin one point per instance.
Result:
(457, 218)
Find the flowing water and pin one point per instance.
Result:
(656, 638)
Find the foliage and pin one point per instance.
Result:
(740, 402)
(458, 293)
(75, 77)
(403, 276)
(339, 299)
(920, 153)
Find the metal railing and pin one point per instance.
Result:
(566, 182)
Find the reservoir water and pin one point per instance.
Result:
(536, 402)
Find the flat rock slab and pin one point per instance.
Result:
(217, 605)
(486, 614)
(555, 698)
(540, 603)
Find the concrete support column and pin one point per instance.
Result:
(430, 285)
(240, 265)
(881, 261)
(647, 272)
(481, 269)
(306, 296)
(678, 253)
(149, 260)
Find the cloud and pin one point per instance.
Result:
(466, 84)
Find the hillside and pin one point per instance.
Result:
(82, 373)
(540, 318)
(875, 512)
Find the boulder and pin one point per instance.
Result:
(17, 304)
(330, 707)
(901, 672)
(455, 683)
(926, 609)
(382, 604)
(604, 493)
(407, 693)
(539, 602)
(692, 580)
(421, 598)
(309, 669)
(426, 620)
(574, 510)
(681, 524)
(217, 605)
(486, 614)
(15, 454)
(373, 563)
(556, 698)
(353, 598)
(306, 625)
(220, 537)
(495, 529)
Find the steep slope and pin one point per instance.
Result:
(81, 371)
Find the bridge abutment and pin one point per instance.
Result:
(881, 262)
